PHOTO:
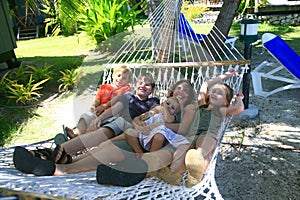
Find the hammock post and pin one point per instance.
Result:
(249, 34)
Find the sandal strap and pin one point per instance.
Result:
(62, 157)
(46, 152)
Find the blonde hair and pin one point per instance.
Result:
(125, 70)
(228, 91)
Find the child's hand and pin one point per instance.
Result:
(139, 155)
(95, 124)
(99, 110)
(145, 130)
(240, 95)
(230, 73)
(92, 109)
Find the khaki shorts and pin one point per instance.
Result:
(118, 125)
(88, 117)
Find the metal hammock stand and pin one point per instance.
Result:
(155, 48)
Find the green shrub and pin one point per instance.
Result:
(68, 80)
(192, 11)
(53, 22)
(41, 73)
(20, 74)
(4, 82)
(104, 18)
(24, 93)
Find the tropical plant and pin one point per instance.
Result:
(249, 3)
(70, 11)
(104, 18)
(52, 9)
(192, 11)
(68, 80)
(3, 82)
(20, 74)
(24, 93)
(41, 73)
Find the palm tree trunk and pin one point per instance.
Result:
(222, 24)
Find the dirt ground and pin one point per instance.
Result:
(265, 165)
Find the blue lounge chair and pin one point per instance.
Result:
(287, 58)
(186, 32)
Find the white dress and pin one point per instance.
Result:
(173, 138)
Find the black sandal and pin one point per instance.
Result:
(126, 173)
(25, 162)
(43, 153)
(69, 132)
(63, 156)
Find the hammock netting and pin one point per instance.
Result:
(170, 49)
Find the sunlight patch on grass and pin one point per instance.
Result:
(54, 46)
(47, 122)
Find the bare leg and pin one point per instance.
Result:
(91, 139)
(197, 160)
(206, 145)
(158, 162)
(173, 174)
(178, 164)
(158, 142)
(107, 152)
(157, 159)
(132, 138)
(81, 127)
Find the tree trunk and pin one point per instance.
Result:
(222, 25)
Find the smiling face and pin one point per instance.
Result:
(218, 95)
(184, 91)
(121, 78)
(173, 105)
(143, 87)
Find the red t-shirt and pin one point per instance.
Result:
(106, 92)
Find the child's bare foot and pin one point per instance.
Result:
(60, 156)
(70, 133)
(169, 176)
(195, 165)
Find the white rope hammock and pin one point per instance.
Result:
(170, 55)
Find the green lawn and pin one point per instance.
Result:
(32, 123)
(54, 46)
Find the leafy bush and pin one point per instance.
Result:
(104, 18)
(249, 3)
(20, 74)
(4, 82)
(192, 11)
(53, 22)
(68, 80)
(24, 93)
(41, 73)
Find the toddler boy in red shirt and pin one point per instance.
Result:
(121, 83)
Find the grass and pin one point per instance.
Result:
(27, 124)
